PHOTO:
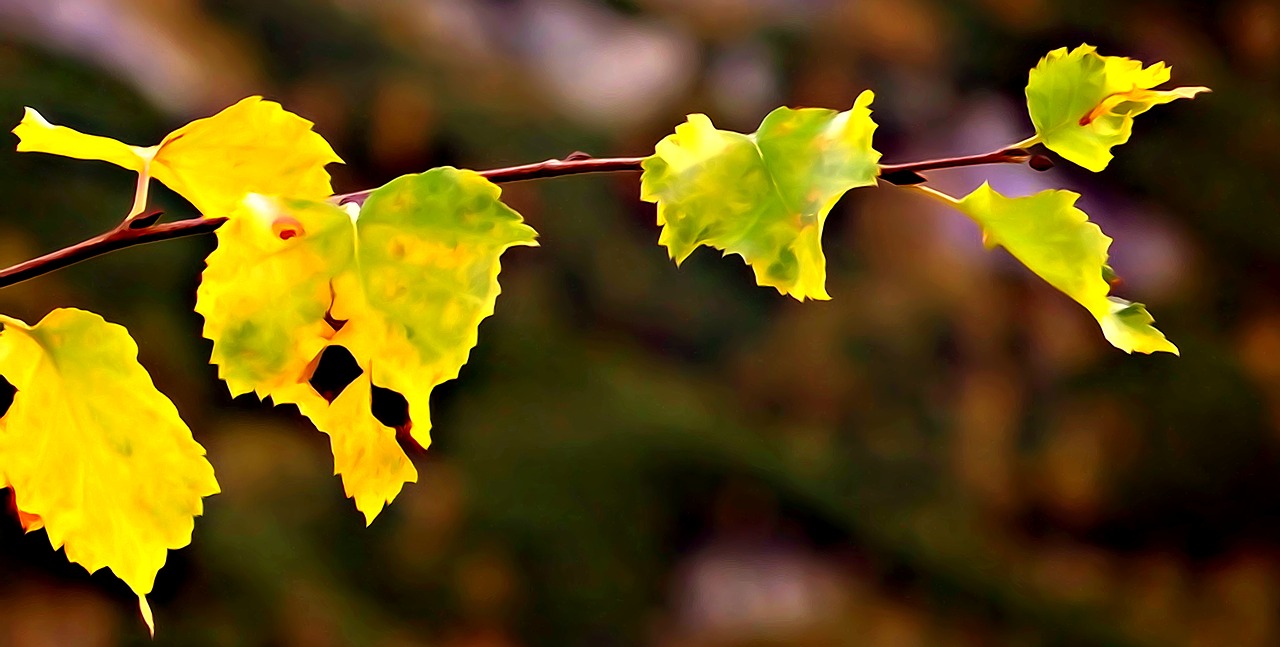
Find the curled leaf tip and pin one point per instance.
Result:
(1128, 326)
(1056, 241)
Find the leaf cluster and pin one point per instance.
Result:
(400, 277)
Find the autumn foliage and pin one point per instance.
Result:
(403, 277)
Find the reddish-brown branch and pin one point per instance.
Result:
(118, 238)
(575, 164)
(910, 172)
(140, 231)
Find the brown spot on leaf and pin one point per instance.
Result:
(286, 227)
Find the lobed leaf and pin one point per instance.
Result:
(254, 146)
(763, 196)
(1082, 104)
(93, 452)
(401, 283)
(1054, 239)
(365, 452)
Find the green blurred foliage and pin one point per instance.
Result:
(947, 453)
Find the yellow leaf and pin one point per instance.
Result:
(91, 447)
(254, 146)
(402, 283)
(365, 452)
(263, 269)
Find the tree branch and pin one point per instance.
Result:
(119, 238)
(910, 172)
(142, 230)
(574, 164)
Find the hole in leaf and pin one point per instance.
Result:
(335, 324)
(390, 408)
(336, 369)
(7, 391)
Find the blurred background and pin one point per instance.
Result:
(946, 453)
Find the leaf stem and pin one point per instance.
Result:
(141, 230)
(949, 200)
(140, 192)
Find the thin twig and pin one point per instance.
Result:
(1011, 155)
(119, 238)
(129, 233)
(575, 164)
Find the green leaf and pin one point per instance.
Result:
(93, 452)
(401, 283)
(763, 196)
(1083, 104)
(1054, 239)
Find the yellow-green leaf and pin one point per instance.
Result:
(401, 283)
(1082, 104)
(1054, 239)
(365, 452)
(254, 146)
(763, 196)
(265, 290)
(91, 448)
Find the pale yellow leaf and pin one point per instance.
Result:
(91, 447)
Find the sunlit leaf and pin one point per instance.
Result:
(763, 196)
(254, 146)
(1054, 239)
(1083, 104)
(266, 288)
(365, 452)
(94, 451)
(402, 283)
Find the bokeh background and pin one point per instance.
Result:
(946, 453)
